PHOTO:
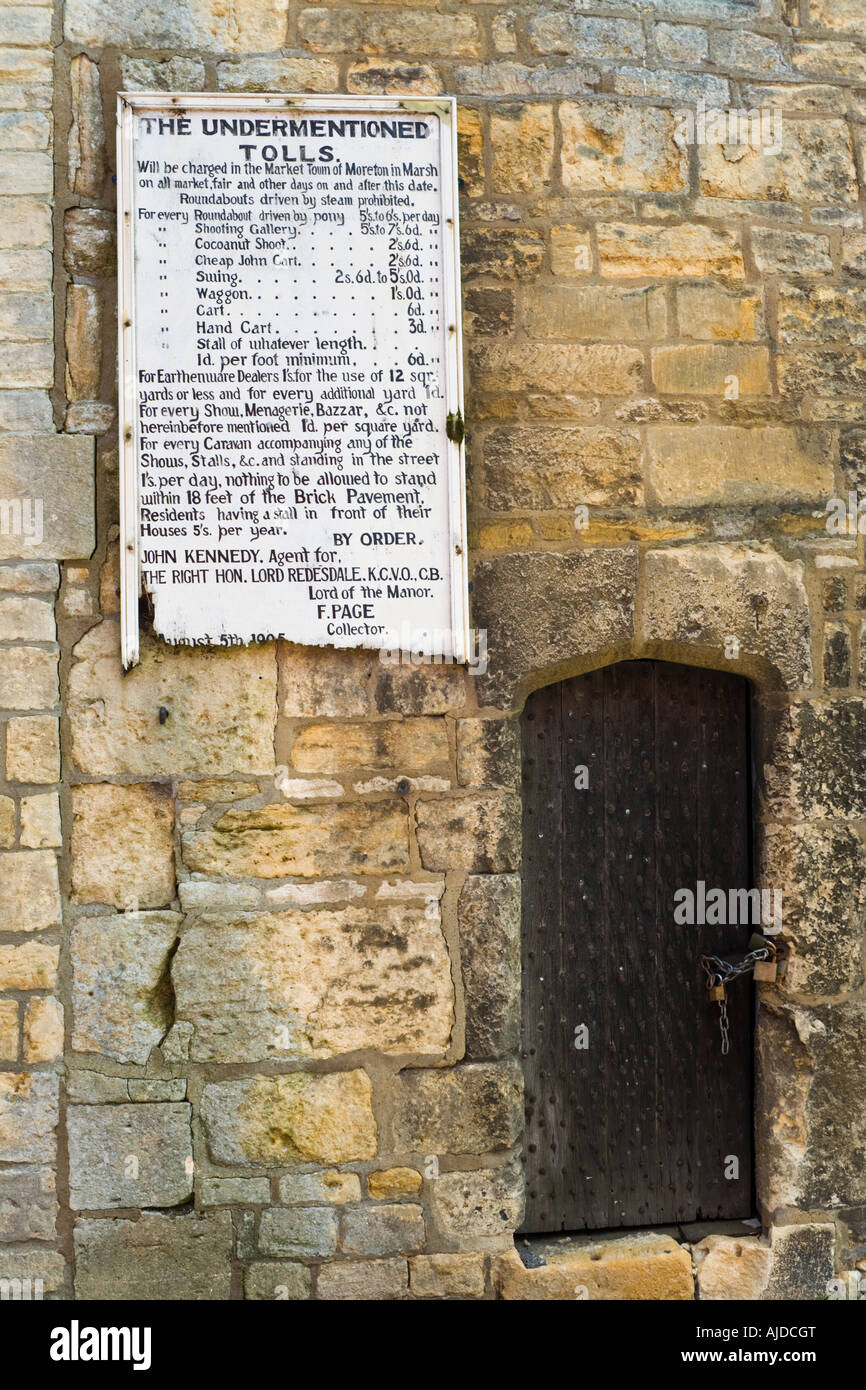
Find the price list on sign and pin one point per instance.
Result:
(291, 418)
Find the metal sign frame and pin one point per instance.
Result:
(177, 104)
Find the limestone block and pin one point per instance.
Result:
(89, 417)
(476, 1108)
(372, 77)
(687, 249)
(546, 468)
(93, 1088)
(364, 1280)
(87, 132)
(290, 1119)
(480, 833)
(279, 75)
(482, 1207)
(779, 252)
(605, 148)
(250, 26)
(83, 338)
(40, 821)
(28, 678)
(501, 253)
(170, 1258)
(804, 1261)
(221, 709)
(168, 75)
(732, 1267)
(599, 40)
(411, 745)
(814, 768)
(398, 30)
(139, 818)
(24, 222)
(29, 890)
(300, 1232)
(489, 920)
(710, 370)
(7, 822)
(277, 1280)
(332, 1187)
(822, 313)
(9, 1029)
(633, 1267)
(315, 983)
(28, 1117)
(522, 139)
(37, 578)
(595, 367)
(594, 311)
(700, 595)
(28, 1204)
(51, 476)
(33, 749)
(383, 1230)
(129, 1155)
(121, 992)
(737, 465)
(32, 965)
(413, 689)
(488, 753)
(814, 163)
(26, 619)
(447, 1276)
(394, 1182)
(711, 311)
(681, 43)
(306, 841)
(43, 1031)
(42, 1270)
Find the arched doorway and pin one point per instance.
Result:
(637, 788)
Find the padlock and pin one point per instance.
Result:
(765, 971)
(717, 993)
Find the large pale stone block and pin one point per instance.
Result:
(86, 157)
(43, 1031)
(701, 595)
(28, 1204)
(822, 314)
(482, 1207)
(364, 1281)
(129, 1155)
(248, 26)
(305, 841)
(732, 1267)
(711, 311)
(29, 1110)
(279, 75)
(83, 337)
(51, 476)
(595, 311)
(735, 465)
(24, 619)
(548, 467)
(813, 163)
(221, 708)
(709, 370)
(814, 769)
(522, 138)
(447, 1276)
(175, 1258)
(121, 989)
(476, 1108)
(33, 749)
(290, 1119)
(629, 1268)
(605, 148)
(123, 845)
(32, 965)
(273, 1280)
(598, 367)
(383, 1230)
(479, 832)
(411, 745)
(29, 890)
(299, 1232)
(315, 983)
(687, 249)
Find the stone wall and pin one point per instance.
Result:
(259, 910)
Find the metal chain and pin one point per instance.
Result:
(720, 972)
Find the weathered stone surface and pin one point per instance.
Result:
(383, 1230)
(480, 833)
(37, 578)
(7, 822)
(482, 1207)
(820, 871)
(488, 310)
(489, 921)
(86, 155)
(501, 253)
(681, 43)
(399, 30)
(700, 595)
(595, 367)
(40, 821)
(373, 77)
(604, 40)
(708, 369)
(596, 311)
(43, 1031)
(295, 74)
(129, 1155)
(28, 1117)
(544, 468)
(810, 1153)
(693, 466)
(779, 252)
(605, 148)
(822, 313)
(32, 965)
(302, 1232)
(469, 1109)
(332, 1187)
(83, 339)
(541, 610)
(523, 139)
(711, 311)
(26, 619)
(29, 890)
(28, 678)
(281, 1281)
(121, 993)
(394, 1182)
(143, 1088)
(159, 1258)
(295, 1118)
(804, 1261)
(687, 249)
(55, 472)
(216, 1192)
(829, 372)
(221, 708)
(488, 753)
(251, 26)
(28, 1204)
(814, 164)
(414, 689)
(315, 983)
(364, 1281)
(447, 1276)
(732, 1267)
(89, 417)
(814, 767)
(170, 75)
(42, 1270)
(94, 1088)
(320, 683)
(633, 1267)
(89, 242)
(411, 745)
(139, 817)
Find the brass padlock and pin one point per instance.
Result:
(765, 971)
(717, 993)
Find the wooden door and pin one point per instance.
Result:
(635, 1121)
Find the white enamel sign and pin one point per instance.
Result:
(291, 417)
